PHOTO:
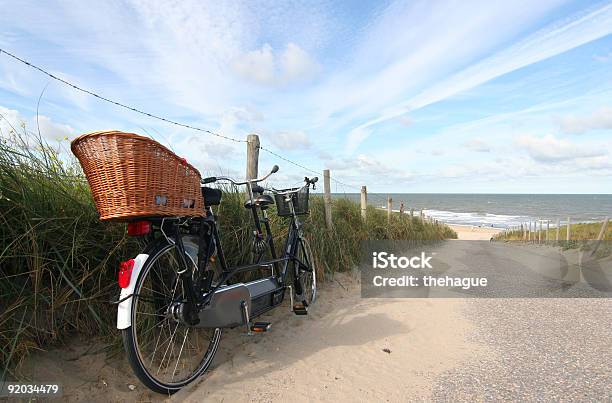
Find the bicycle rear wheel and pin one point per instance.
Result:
(164, 353)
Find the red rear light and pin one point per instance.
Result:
(139, 228)
(125, 273)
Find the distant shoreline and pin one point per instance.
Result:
(501, 210)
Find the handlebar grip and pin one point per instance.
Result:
(209, 180)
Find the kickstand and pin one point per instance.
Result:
(245, 314)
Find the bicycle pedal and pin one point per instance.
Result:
(260, 327)
(300, 309)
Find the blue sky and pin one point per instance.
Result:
(419, 96)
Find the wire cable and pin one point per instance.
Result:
(103, 98)
(161, 118)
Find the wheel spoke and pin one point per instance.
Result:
(170, 352)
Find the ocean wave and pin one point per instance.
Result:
(477, 219)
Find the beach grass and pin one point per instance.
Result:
(58, 262)
(578, 232)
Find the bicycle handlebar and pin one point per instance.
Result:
(283, 192)
(212, 179)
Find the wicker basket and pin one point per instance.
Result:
(299, 198)
(132, 176)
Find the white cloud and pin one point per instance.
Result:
(11, 119)
(290, 140)
(53, 130)
(405, 120)
(264, 66)
(356, 137)
(477, 145)
(296, 64)
(603, 57)
(551, 149)
(601, 119)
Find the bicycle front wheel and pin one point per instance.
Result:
(305, 274)
(164, 353)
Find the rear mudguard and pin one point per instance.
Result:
(124, 309)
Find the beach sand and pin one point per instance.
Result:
(469, 232)
(346, 348)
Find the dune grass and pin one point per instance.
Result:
(578, 232)
(58, 262)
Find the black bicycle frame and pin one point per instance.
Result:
(210, 239)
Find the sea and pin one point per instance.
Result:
(497, 210)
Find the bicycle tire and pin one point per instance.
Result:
(130, 335)
(308, 277)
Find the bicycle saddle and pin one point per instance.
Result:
(212, 197)
(260, 201)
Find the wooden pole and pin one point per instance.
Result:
(389, 207)
(411, 213)
(252, 156)
(402, 208)
(540, 232)
(364, 201)
(602, 231)
(327, 200)
(600, 237)
(547, 229)
(568, 234)
(529, 231)
(558, 230)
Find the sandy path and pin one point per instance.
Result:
(469, 232)
(337, 351)
(333, 354)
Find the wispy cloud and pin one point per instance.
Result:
(477, 145)
(290, 140)
(264, 66)
(601, 119)
(551, 149)
(550, 41)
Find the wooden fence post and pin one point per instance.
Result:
(602, 231)
(327, 200)
(568, 234)
(411, 213)
(540, 231)
(600, 237)
(558, 230)
(402, 208)
(389, 207)
(529, 231)
(252, 156)
(547, 229)
(364, 201)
